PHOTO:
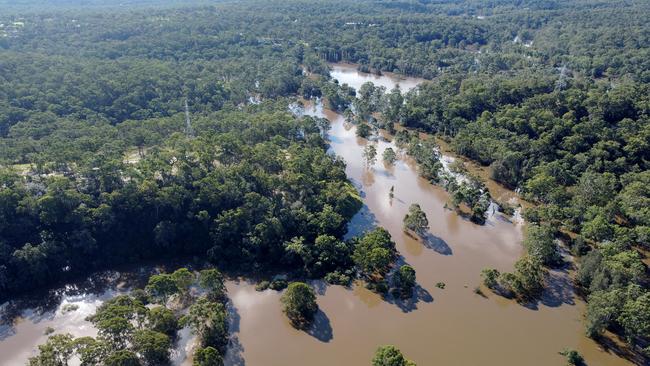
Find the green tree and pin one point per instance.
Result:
(405, 280)
(299, 304)
(370, 155)
(153, 347)
(635, 317)
(490, 278)
(163, 320)
(209, 321)
(122, 358)
(161, 287)
(57, 351)
(390, 356)
(207, 356)
(374, 253)
(183, 280)
(363, 130)
(389, 156)
(540, 244)
(416, 220)
(213, 281)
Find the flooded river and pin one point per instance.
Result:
(450, 326)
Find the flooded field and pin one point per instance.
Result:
(450, 326)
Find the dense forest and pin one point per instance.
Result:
(177, 115)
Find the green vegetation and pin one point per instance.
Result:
(370, 155)
(374, 254)
(404, 280)
(390, 356)
(525, 283)
(99, 167)
(389, 157)
(573, 357)
(130, 333)
(416, 220)
(299, 303)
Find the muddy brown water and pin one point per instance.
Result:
(450, 326)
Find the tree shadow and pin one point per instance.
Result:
(320, 287)
(363, 221)
(622, 351)
(321, 327)
(235, 353)
(558, 291)
(436, 243)
(419, 293)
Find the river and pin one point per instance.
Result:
(450, 326)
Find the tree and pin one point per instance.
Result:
(163, 320)
(573, 357)
(183, 279)
(540, 244)
(393, 105)
(57, 351)
(153, 347)
(299, 304)
(389, 156)
(207, 356)
(635, 317)
(209, 321)
(603, 307)
(416, 220)
(490, 278)
(363, 130)
(390, 356)
(213, 281)
(161, 287)
(374, 253)
(530, 276)
(122, 358)
(370, 154)
(405, 280)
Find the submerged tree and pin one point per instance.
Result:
(299, 303)
(390, 356)
(370, 154)
(405, 280)
(389, 156)
(416, 220)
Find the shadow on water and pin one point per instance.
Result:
(419, 294)
(436, 244)
(363, 221)
(321, 328)
(320, 287)
(235, 353)
(621, 350)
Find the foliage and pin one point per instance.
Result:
(389, 157)
(374, 253)
(390, 356)
(405, 280)
(416, 220)
(539, 243)
(207, 357)
(299, 304)
(370, 154)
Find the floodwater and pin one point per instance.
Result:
(450, 326)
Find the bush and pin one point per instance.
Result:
(299, 304)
